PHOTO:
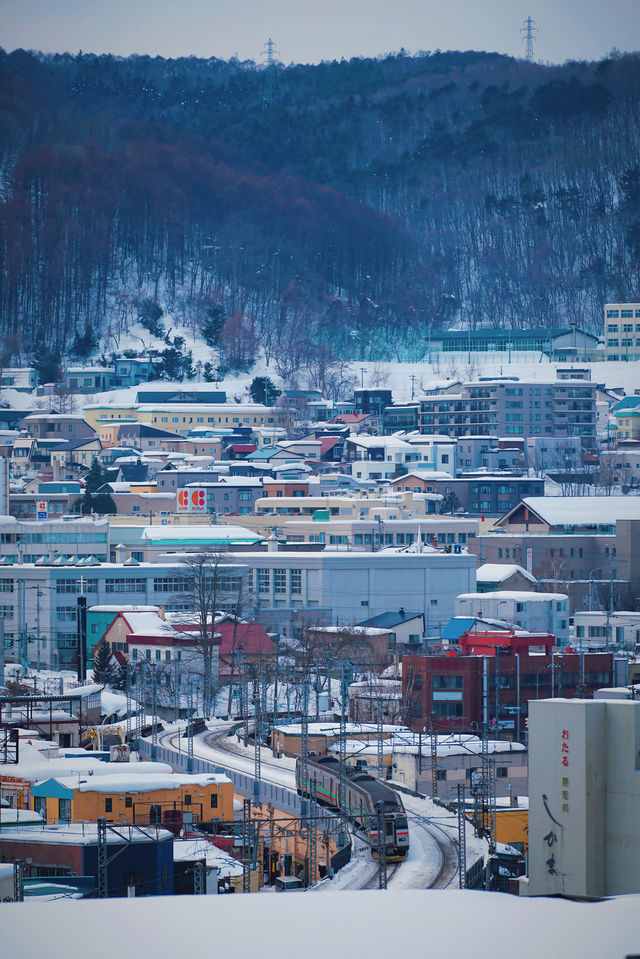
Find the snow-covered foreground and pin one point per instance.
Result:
(396, 923)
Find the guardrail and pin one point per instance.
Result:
(279, 796)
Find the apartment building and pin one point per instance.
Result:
(184, 417)
(622, 331)
(510, 407)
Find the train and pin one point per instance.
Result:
(362, 793)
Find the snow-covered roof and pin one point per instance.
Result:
(186, 850)
(35, 767)
(498, 572)
(81, 834)
(584, 510)
(212, 534)
(128, 781)
(515, 595)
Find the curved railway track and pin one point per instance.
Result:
(221, 740)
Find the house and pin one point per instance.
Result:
(88, 379)
(450, 688)
(138, 858)
(132, 799)
(498, 576)
(407, 628)
(248, 642)
(527, 610)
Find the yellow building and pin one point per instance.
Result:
(512, 827)
(184, 417)
(129, 798)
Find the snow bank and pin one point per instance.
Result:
(452, 923)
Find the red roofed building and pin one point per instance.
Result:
(248, 641)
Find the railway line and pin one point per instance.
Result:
(433, 857)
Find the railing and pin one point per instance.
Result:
(279, 796)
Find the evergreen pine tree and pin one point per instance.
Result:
(105, 669)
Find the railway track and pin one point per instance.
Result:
(235, 759)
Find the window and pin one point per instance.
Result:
(108, 803)
(187, 799)
(128, 801)
(295, 580)
(214, 800)
(64, 810)
(446, 681)
(501, 772)
(124, 585)
(263, 576)
(441, 774)
(280, 580)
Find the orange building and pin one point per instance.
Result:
(133, 799)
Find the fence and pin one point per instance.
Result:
(278, 796)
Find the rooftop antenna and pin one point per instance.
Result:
(528, 32)
(270, 57)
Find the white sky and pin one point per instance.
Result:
(314, 30)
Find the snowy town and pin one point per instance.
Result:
(319, 480)
(300, 649)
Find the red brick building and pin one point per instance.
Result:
(450, 687)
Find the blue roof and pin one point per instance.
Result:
(457, 626)
(389, 620)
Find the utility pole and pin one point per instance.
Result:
(18, 882)
(382, 846)
(82, 638)
(528, 33)
(246, 841)
(312, 834)
(380, 731)
(462, 838)
(257, 733)
(102, 858)
(342, 799)
(304, 744)
(129, 700)
(190, 728)
(154, 714)
(434, 760)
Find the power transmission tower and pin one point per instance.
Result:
(462, 838)
(269, 55)
(528, 32)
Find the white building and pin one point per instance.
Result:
(584, 795)
(535, 612)
(349, 587)
(619, 630)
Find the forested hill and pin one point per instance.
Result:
(344, 207)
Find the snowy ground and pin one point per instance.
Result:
(406, 380)
(404, 923)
